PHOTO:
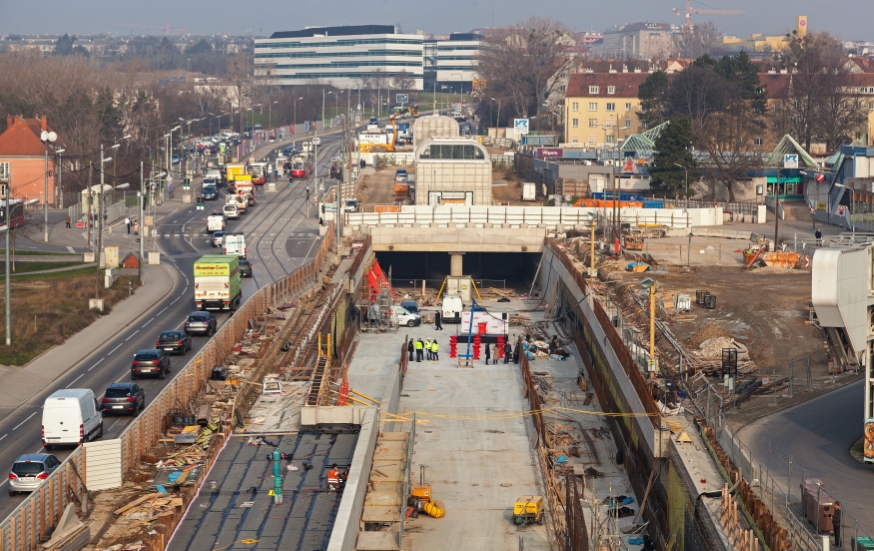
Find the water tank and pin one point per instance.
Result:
(425, 128)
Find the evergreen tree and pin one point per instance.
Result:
(673, 148)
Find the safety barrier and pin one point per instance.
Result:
(28, 524)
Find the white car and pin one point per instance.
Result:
(407, 318)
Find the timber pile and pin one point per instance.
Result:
(713, 367)
(493, 293)
(149, 508)
(519, 319)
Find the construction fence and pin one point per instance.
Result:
(28, 525)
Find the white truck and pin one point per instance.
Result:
(234, 243)
(529, 191)
(215, 222)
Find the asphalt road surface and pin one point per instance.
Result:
(818, 435)
(279, 238)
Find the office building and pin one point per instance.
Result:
(452, 63)
(344, 57)
(637, 41)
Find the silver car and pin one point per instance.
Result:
(30, 470)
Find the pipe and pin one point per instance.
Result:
(277, 477)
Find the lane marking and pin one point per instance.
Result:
(175, 299)
(114, 349)
(25, 421)
(162, 311)
(74, 380)
(147, 323)
(69, 248)
(95, 365)
(131, 335)
(4, 436)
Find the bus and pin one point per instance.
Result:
(298, 168)
(16, 213)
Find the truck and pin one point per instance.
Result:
(217, 282)
(232, 170)
(529, 191)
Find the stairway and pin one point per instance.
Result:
(796, 210)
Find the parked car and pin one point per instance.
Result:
(123, 398)
(407, 318)
(173, 341)
(217, 238)
(245, 268)
(203, 323)
(410, 306)
(30, 470)
(150, 361)
(401, 175)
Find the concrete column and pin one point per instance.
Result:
(456, 264)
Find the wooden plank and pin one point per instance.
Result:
(136, 502)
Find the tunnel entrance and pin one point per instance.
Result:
(511, 270)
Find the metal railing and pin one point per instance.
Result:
(28, 524)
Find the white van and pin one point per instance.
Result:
(451, 309)
(70, 417)
(405, 317)
(240, 200)
(231, 211)
(234, 243)
(215, 222)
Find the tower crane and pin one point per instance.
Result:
(690, 10)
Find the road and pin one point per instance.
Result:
(818, 435)
(279, 238)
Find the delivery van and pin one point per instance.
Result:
(451, 309)
(70, 417)
(234, 243)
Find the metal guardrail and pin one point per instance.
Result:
(26, 526)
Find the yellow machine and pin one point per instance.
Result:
(390, 147)
(421, 492)
(528, 509)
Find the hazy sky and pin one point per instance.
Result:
(847, 19)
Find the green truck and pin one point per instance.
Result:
(217, 282)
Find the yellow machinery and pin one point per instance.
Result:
(528, 509)
(390, 147)
(421, 492)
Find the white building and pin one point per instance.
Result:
(453, 171)
(342, 57)
(456, 60)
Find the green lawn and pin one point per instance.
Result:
(88, 270)
(27, 267)
(38, 253)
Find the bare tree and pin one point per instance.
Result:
(839, 117)
(403, 82)
(238, 73)
(699, 40)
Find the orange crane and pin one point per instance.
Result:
(166, 28)
(690, 10)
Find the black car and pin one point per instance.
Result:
(245, 268)
(203, 323)
(150, 362)
(123, 398)
(174, 341)
(209, 192)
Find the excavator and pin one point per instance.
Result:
(390, 147)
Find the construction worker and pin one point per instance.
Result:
(434, 350)
(333, 478)
(419, 347)
(428, 349)
(410, 348)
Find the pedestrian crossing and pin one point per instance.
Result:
(195, 235)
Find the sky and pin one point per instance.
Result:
(846, 19)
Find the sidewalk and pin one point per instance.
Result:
(29, 380)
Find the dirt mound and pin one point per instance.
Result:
(709, 331)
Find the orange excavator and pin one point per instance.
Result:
(390, 147)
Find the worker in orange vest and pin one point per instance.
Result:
(333, 478)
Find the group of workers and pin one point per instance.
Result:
(420, 347)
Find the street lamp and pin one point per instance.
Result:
(686, 170)
(270, 114)
(592, 272)
(650, 285)
(47, 138)
(7, 198)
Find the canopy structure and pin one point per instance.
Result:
(788, 146)
(643, 144)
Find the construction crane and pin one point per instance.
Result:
(390, 147)
(690, 10)
(166, 28)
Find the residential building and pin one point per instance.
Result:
(343, 57)
(601, 108)
(763, 43)
(637, 40)
(25, 154)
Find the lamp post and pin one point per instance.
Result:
(686, 170)
(650, 285)
(270, 114)
(59, 193)
(47, 138)
(100, 216)
(6, 184)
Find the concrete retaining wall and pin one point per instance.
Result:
(345, 532)
(709, 232)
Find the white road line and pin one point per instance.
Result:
(175, 299)
(162, 311)
(113, 425)
(25, 421)
(95, 365)
(4, 436)
(147, 323)
(114, 349)
(131, 335)
(72, 251)
(74, 380)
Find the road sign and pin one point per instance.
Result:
(629, 166)
(317, 140)
(841, 210)
(402, 99)
(520, 126)
(790, 160)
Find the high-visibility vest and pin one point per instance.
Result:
(333, 477)
(418, 345)
(433, 347)
(427, 345)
